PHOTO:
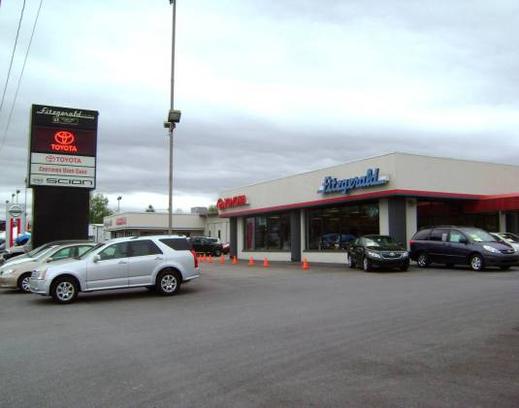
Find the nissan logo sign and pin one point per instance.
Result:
(15, 210)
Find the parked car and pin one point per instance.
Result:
(226, 248)
(16, 273)
(377, 251)
(507, 238)
(206, 245)
(452, 245)
(161, 263)
(13, 252)
(26, 252)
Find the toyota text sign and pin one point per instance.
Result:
(63, 147)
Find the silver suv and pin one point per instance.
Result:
(161, 263)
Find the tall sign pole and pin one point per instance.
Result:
(173, 118)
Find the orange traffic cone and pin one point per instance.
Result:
(305, 265)
(210, 259)
(251, 261)
(234, 260)
(265, 263)
(222, 260)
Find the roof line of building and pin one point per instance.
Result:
(364, 159)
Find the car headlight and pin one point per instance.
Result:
(491, 249)
(373, 254)
(39, 273)
(405, 254)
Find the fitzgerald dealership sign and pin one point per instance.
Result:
(63, 147)
(331, 185)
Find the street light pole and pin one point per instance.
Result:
(173, 118)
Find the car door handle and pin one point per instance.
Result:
(159, 258)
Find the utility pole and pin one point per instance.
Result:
(173, 119)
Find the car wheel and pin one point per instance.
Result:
(64, 290)
(423, 260)
(217, 253)
(477, 263)
(168, 282)
(23, 282)
(366, 265)
(351, 262)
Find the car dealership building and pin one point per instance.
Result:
(315, 214)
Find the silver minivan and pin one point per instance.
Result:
(161, 263)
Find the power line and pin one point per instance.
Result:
(12, 55)
(20, 77)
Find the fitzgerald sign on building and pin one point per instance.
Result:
(63, 147)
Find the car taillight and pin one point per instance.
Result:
(195, 258)
(411, 242)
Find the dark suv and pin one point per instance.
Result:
(206, 245)
(451, 245)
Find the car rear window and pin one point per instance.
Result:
(178, 244)
(423, 234)
(144, 248)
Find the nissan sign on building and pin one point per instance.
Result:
(63, 147)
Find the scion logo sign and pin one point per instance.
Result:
(62, 182)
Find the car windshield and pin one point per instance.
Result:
(36, 251)
(379, 240)
(46, 252)
(479, 235)
(86, 253)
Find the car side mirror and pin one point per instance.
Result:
(97, 258)
(464, 241)
(49, 260)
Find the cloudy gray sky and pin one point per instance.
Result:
(266, 89)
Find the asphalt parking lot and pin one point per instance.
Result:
(271, 337)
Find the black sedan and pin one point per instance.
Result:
(377, 251)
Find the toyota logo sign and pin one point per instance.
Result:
(64, 138)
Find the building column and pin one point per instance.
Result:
(502, 221)
(303, 230)
(397, 219)
(512, 224)
(411, 219)
(295, 236)
(383, 216)
(233, 235)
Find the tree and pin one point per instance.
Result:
(150, 208)
(212, 209)
(99, 209)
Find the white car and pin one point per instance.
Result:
(161, 262)
(16, 272)
(507, 238)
